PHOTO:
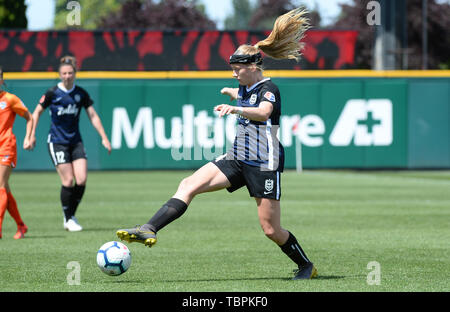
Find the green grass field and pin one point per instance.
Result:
(343, 219)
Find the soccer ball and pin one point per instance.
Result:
(113, 258)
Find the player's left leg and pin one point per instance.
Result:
(269, 218)
(5, 172)
(80, 173)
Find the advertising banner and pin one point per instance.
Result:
(325, 123)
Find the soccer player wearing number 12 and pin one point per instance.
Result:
(65, 102)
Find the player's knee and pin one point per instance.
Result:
(67, 182)
(269, 231)
(187, 186)
(81, 181)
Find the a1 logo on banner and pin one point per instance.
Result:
(366, 122)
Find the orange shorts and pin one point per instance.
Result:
(8, 160)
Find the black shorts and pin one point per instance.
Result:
(66, 153)
(260, 183)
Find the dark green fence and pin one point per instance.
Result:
(170, 124)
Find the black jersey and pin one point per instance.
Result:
(65, 108)
(256, 142)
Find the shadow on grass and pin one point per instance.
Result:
(320, 277)
(63, 233)
(324, 277)
(99, 229)
(331, 277)
(34, 236)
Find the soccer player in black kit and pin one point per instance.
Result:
(65, 102)
(256, 159)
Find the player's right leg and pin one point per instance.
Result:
(206, 179)
(137, 234)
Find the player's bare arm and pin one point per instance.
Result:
(260, 113)
(231, 92)
(36, 115)
(97, 123)
(29, 135)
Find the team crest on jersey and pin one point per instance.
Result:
(253, 99)
(268, 185)
(77, 98)
(2, 105)
(270, 96)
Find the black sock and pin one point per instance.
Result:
(66, 201)
(169, 212)
(293, 250)
(78, 191)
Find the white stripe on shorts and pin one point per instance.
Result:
(278, 185)
(52, 152)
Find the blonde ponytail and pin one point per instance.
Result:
(284, 40)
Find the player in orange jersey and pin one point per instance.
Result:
(10, 105)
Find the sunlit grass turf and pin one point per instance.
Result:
(342, 219)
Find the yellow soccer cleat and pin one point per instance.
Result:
(308, 271)
(137, 234)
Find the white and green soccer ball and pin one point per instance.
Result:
(114, 258)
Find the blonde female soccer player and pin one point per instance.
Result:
(65, 102)
(256, 159)
(10, 106)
